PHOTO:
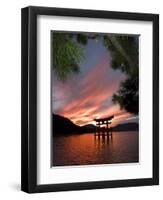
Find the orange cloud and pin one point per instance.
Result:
(90, 96)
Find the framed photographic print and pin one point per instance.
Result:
(90, 99)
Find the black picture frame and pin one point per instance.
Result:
(29, 99)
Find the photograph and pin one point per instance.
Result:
(89, 99)
(94, 98)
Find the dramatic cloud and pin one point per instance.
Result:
(88, 95)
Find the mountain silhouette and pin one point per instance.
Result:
(62, 125)
(126, 127)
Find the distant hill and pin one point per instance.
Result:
(63, 125)
(126, 127)
(88, 128)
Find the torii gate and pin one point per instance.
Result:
(104, 121)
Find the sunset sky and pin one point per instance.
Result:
(88, 94)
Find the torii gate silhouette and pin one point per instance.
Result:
(104, 121)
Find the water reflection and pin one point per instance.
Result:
(105, 139)
(86, 149)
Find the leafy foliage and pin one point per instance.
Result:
(127, 95)
(67, 54)
(82, 38)
(124, 52)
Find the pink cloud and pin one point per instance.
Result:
(90, 96)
